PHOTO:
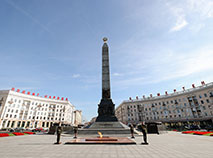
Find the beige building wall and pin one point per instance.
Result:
(195, 104)
(77, 117)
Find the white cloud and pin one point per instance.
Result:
(181, 65)
(179, 14)
(195, 11)
(116, 74)
(180, 24)
(203, 7)
(169, 65)
(75, 75)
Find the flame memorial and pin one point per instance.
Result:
(106, 122)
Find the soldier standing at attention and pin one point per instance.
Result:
(132, 130)
(144, 131)
(75, 132)
(59, 131)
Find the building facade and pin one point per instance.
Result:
(195, 104)
(20, 109)
(78, 117)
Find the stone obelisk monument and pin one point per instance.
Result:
(106, 108)
(106, 122)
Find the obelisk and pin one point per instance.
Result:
(106, 108)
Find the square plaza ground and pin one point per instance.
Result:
(171, 145)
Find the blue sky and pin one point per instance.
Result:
(54, 47)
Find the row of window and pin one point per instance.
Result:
(163, 117)
(35, 103)
(167, 107)
(173, 101)
(42, 118)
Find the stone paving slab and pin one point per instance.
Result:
(171, 145)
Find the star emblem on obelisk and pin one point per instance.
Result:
(105, 39)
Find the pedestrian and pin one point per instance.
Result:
(144, 131)
(58, 132)
(75, 132)
(132, 130)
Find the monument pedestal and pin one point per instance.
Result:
(106, 111)
(106, 125)
(106, 128)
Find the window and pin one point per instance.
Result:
(204, 108)
(171, 101)
(205, 95)
(200, 96)
(207, 100)
(202, 102)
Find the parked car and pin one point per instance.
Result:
(12, 130)
(29, 129)
(209, 127)
(37, 130)
(19, 129)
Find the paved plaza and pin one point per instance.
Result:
(171, 145)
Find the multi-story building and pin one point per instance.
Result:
(194, 104)
(78, 117)
(21, 109)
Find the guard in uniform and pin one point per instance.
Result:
(58, 132)
(132, 130)
(144, 131)
(75, 132)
